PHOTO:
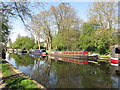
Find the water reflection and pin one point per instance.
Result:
(22, 59)
(53, 72)
(37, 55)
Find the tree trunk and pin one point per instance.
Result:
(47, 44)
(39, 44)
(50, 42)
(49, 47)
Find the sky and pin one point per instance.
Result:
(18, 27)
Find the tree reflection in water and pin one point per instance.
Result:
(42, 70)
(22, 59)
(60, 74)
(83, 76)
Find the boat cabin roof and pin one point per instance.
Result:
(115, 46)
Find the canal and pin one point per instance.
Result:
(56, 73)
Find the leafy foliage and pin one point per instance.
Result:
(4, 28)
(97, 33)
(60, 27)
(68, 25)
(23, 42)
(87, 40)
(95, 38)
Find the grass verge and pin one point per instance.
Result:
(19, 83)
(14, 80)
(6, 70)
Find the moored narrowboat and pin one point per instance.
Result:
(35, 51)
(115, 55)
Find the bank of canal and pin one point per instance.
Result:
(53, 73)
(14, 78)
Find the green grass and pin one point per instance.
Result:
(7, 70)
(16, 82)
(20, 83)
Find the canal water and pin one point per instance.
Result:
(54, 72)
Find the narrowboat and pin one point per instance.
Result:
(74, 54)
(35, 51)
(115, 55)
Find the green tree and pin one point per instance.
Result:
(105, 14)
(92, 39)
(4, 28)
(23, 42)
(19, 9)
(41, 28)
(67, 23)
(12, 10)
(58, 42)
(87, 36)
(62, 20)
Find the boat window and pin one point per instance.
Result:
(117, 50)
